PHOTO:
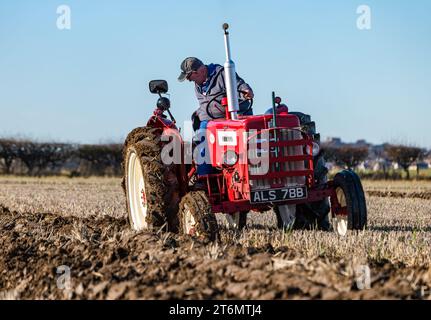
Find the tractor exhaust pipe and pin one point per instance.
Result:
(230, 78)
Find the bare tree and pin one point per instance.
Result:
(405, 156)
(381, 155)
(53, 155)
(27, 152)
(346, 156)
(38, 157)
(8, 152)
(102, 157)
(42, 158)
(421, 157)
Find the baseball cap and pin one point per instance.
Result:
(188, 65)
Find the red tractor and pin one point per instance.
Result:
(261, 162)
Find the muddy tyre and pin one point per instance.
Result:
(151, 188)
(196, 217)
(350, 195)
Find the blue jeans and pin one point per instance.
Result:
(205, 168)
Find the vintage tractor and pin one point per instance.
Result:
(261, 162)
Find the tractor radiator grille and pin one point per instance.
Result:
(277, 159)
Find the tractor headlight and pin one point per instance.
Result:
(315, 151)
(230, 158)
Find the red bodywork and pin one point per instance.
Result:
(159, 120)
(229, 190)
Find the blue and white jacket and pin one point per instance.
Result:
(214, 85)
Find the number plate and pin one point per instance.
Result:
(277, 195)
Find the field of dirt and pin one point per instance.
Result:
(70, 239)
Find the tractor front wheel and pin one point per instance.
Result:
(196, 217)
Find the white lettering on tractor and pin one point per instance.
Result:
(227, 138)
(256, 197)
(299, 193)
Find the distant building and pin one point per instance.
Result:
(336, 142)
(420, 165)
(377, 159)
(362, 143)
(333, 142)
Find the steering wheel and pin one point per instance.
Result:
(215, 99)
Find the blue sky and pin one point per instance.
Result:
(90, 84)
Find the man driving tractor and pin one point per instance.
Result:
(210, 88)
(210, 83)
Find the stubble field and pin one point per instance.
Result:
(52, 226)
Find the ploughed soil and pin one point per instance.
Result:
(108, 261)
(426, 195)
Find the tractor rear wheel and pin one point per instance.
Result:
(352, 211)
(196, 217)
(150, 186)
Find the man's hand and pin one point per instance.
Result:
(248, 94)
